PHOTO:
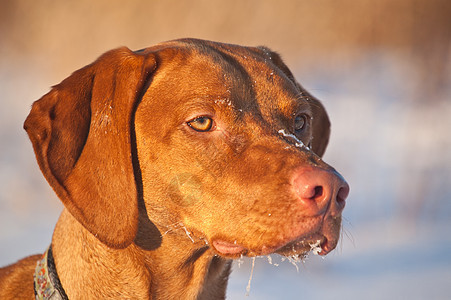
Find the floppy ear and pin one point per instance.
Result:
(320, 122)
(81, 133)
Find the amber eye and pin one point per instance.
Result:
(201, 124)
(299, 122)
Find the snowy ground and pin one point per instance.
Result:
(395, 155)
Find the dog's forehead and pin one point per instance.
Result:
(237, 76)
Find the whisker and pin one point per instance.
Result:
(269, 258)
(172, 227)
(349, 236)
(240, 261)
(340, 241)
(347, 232)
(294, 260)
(188, 233)
(179, 225)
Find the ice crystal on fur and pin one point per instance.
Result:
(248, 288)
(315, 248)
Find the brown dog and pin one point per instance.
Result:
(171, 161)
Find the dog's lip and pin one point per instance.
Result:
(301, 246)
(227, 248)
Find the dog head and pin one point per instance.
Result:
(217, 137)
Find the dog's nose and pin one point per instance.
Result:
(320, 190)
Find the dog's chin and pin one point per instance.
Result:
(321, 243)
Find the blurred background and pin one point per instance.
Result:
(382, 69)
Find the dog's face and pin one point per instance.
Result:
(217, 138)
(222, 131)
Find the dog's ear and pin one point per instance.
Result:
(82, 135)
(320, 122)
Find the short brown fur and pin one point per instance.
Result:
(153, 208)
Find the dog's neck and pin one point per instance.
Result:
(174, 268)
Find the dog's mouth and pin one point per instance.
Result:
(320, 242)
(317, 244)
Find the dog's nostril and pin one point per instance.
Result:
(341, 196)
(318, 192)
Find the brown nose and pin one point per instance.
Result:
(320, 190)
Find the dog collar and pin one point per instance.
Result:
(47, 285)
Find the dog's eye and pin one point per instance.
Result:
(201, 124)
(299, 122)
